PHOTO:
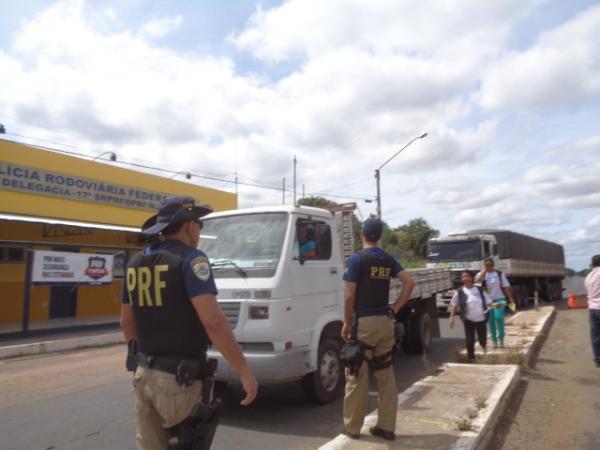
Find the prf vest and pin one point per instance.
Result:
(373, 287)
(165, 320)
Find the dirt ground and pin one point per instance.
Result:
(557, 404)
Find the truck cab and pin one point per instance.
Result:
(457, 252)
(285, 308)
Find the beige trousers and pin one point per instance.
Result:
(377, 331)
(160, 403)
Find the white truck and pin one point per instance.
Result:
(286, 311)
(530, 264)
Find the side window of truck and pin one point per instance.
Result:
(313, 240)
(486, 249)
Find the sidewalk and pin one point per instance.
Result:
(461, 407)
(524, 332)
(67, 340)
(457, 409)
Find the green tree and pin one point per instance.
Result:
(414, 235)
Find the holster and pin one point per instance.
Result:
(131, 362)
(351, 354)
(198, 430)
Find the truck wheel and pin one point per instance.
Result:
(418, 336)
(324, 385)
(525, 296)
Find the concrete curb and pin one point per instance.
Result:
(485, 423)
(488, 418)
(541, 335)
(59, 345)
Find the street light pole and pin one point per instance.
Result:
(378, 172)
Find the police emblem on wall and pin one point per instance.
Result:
(96, 268)
(201, 268)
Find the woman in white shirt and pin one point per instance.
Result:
(471, 303)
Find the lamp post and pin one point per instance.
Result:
(112, 156)
(378, 172)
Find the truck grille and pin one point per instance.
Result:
(231, 311)
(456, 274)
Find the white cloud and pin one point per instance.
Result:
(159, 28)
(360, 79)
(309, 28)
(561, 68)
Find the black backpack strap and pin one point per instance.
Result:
(502, 288)
(462, 300)
(482, 297)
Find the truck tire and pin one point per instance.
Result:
(324, 385)
(524, 296)
(418, 336)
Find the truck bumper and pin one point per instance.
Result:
(268, 367)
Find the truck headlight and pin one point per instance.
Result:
(259, 312)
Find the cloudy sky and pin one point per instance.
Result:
(507, 90)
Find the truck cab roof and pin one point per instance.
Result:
(308, 210)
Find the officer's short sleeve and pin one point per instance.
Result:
(504, 281)
(352, 272)
(396, 268)
(197, 274)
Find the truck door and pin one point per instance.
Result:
(316, 275)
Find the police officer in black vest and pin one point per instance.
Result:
(367, 298)
(169, 308)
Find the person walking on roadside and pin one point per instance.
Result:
(497, 286)
(169, 310)
(471, 302)
(592, 286)
(367, 302)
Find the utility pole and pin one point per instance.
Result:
(283, 192)
(295, 162)
(302, 190)
(377, 180)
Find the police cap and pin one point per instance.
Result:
(174, 210)
(372, 229)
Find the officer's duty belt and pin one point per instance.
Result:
(366, 311)
(205, 369)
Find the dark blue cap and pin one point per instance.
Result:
(174, 210)
(372, 229)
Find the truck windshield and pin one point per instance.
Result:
(244, 245)
(454, 251)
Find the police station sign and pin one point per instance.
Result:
(75, 268)
(31, 180)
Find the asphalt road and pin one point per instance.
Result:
(83, 399)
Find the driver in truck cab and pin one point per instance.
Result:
(367, 300)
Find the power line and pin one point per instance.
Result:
(193, 173)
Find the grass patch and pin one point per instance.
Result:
(480, 403)
(464, 425)
(472, 413)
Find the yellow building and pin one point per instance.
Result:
(52, 201)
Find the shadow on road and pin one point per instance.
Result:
(281, 408)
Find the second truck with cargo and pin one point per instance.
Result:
(530, 264)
